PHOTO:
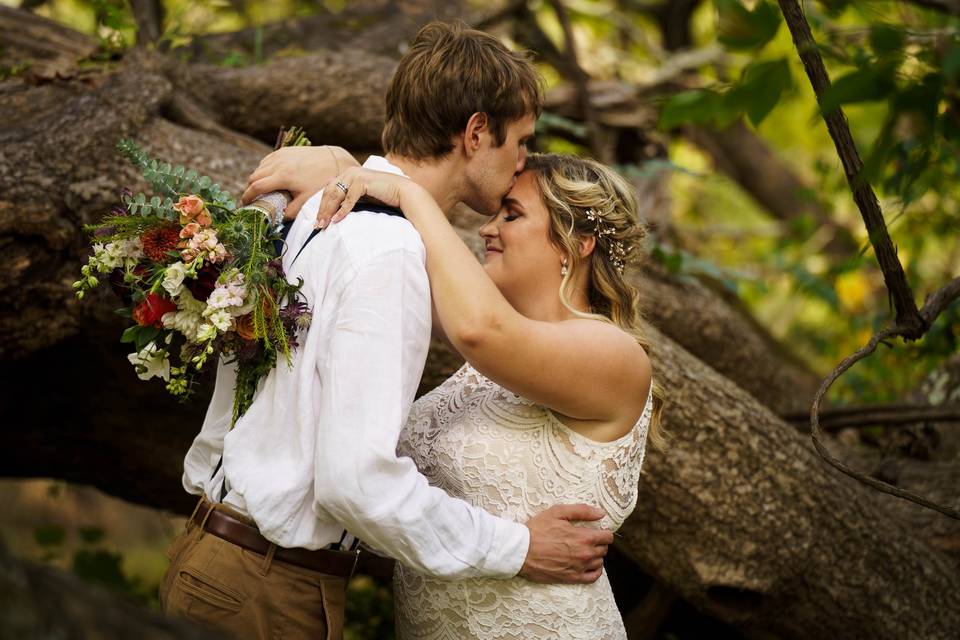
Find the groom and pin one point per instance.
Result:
(311, 467)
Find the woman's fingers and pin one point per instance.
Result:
(355, 190)
(329, 203)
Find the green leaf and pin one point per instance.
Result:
(140, 198)
(130, 334)
(951, 62)
(762, 84)
(885, 38)
(91, 535)
(697, 106)
(155, 201)
(49, 535)
(145, 337)
(862, 85)
(103, 567)
(741, 28)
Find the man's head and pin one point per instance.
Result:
(461, 91)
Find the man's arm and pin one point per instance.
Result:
(370, 375)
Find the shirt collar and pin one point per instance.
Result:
(379, 163)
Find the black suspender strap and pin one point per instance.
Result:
(362, 206)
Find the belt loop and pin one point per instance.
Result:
(268, 559)
(203, 523)
(186, 525)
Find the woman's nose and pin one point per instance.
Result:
(489, 229)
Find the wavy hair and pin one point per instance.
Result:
(576, 192)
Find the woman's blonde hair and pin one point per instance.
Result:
(586, 198)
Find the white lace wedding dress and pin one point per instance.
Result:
(514, 458)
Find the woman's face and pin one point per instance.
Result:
(520, 258)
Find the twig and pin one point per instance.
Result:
(887, 415)
(580, 78)
(909, 323)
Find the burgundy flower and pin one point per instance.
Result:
(206, 282)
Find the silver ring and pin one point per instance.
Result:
(342, 187)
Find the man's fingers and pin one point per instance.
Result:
(591, 576)
(577, 512)
(599, 537)
(259, 187)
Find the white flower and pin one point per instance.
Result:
(220, 319)
(150, 362)
(185, 321)
(222, 297)
(206, 332)
(173, 278)
(219, 298)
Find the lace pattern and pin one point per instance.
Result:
(514, 458)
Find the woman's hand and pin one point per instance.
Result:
(341, 194)
(300, 170)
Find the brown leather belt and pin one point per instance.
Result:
(334, 563)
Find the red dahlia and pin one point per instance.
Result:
(159, 241)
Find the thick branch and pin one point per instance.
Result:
(950, 7)
(28, 37)
(148, 14)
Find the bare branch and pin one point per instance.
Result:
(872, 415)
(950, 7)
(580, 80)
(908, 317)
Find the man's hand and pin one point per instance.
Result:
(300, 170)
(563, 552)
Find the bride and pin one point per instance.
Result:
(556, 401)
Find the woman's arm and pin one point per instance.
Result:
(300, 170)
(581, 368)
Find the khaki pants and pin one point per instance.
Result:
(247, 595)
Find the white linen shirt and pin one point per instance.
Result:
(316, 451)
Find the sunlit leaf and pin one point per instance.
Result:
(862, 85)
(742, 28)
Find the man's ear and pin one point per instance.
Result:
(478, 126)
(587, 244)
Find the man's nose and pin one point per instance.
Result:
(522, 159)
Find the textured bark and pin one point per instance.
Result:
(744, 521)
(377, 26)
(715, 326)
(43, 602)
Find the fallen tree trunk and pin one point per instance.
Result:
(43, 602)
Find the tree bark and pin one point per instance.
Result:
(43, 602)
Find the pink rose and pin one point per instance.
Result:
(189, 230)
(204, 218)
(193, 208)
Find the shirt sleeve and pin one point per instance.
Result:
(369, 378)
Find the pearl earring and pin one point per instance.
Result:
(563, 268)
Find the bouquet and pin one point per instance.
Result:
(199, 277)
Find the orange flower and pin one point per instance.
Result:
(244, 327)
(192, 208)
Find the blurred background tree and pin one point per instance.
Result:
(761, 265)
